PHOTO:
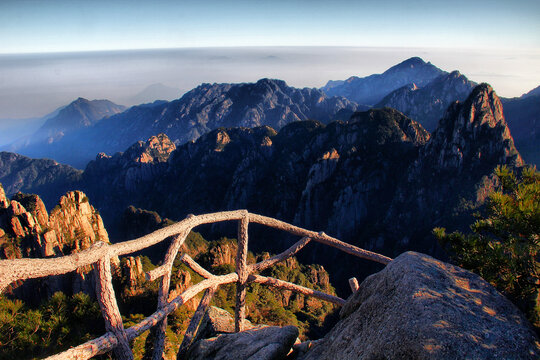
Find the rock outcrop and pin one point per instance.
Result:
(217, 321)
(27, 230)
(268, 343)
(453, 172)
(422, 308)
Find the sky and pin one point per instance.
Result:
(57, 50)
(74, 25)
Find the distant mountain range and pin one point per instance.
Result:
(427, 104)
(420, 90)
(80, 114)
(207, 107)
(154, 92)
(371, 89)
(379, 180)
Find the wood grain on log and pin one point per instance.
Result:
(172, 251)
(194, 323)
(89, 349)
(109, 308)
(242, 271)
(353, 283)
(21, 269)
(108, 341)
(100, 254)
(186, 259)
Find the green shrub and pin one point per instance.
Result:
(504, 244)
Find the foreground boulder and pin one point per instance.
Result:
(422, 308)
(268, 343)
(217, 321)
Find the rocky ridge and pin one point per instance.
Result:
(80, 114)
(205, 108)
(456, 164)
(371, 89)
(428, 103)
(523, 117)
(46, 177)
(379, 180)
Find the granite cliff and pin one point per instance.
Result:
(453, 172)
(28, 230)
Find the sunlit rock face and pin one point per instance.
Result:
(456, 165)
(422, 308)
(27, 230)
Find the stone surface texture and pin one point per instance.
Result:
(268, 343)
(422, 308)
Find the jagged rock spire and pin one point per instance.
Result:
(472, 134)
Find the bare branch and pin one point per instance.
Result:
(296, 288)
(280, 257)
(186, 259)
(320, 237)
(195, 321)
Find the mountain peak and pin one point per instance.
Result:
(79, 100)
(474, 133)
(275, 83)
(415, 60)
(372, 89)
(410, 64)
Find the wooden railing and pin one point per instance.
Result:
(99, 256)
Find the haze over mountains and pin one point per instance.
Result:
(267, 102)
(367, 178)
(418, 89)
(371, 89)
(371, 175)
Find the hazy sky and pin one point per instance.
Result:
(48, 48)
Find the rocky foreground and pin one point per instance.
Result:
(416, 308)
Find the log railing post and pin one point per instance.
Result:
(163, 296)
(353, 283)
(99, 256)
(109, 307)
(243, 273)
(195, 322)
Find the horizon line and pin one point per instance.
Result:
(90, 51)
